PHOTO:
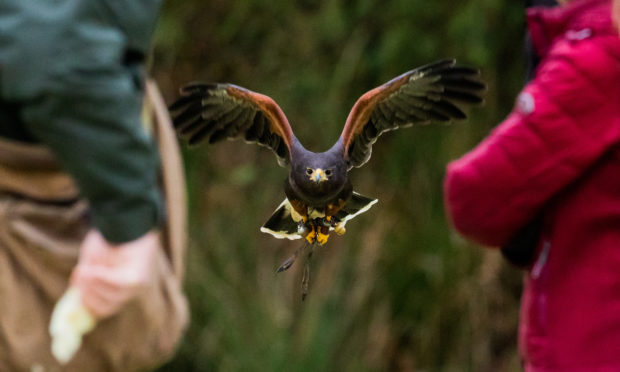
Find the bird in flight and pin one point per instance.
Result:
(319, 194)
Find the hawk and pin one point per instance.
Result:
(319, 194)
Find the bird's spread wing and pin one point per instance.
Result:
(214, 112)
(426, 94)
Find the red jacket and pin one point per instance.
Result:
(558, 152)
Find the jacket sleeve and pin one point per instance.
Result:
(92, 122)
(563, 121)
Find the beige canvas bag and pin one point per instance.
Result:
(42, 223)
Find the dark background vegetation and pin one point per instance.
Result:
(401, 290)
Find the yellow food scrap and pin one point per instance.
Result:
(70, 321)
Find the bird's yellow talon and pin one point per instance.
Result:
(322, 238)
(339, 229)
(311, 236)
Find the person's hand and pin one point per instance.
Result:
(615, 14)
(108, 276)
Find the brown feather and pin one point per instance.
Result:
(214, 112)
(427, 94)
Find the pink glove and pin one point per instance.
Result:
(108, 276)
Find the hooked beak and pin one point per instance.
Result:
(318, 176)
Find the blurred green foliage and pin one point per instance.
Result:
(400, 291)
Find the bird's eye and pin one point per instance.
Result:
(328, 172)
(309, 171)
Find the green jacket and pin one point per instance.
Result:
(71, 70)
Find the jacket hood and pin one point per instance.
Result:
(577, 20)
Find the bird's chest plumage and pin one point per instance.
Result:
(318, 196)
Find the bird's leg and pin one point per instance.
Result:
(311, 234)
(338, 226)
(322, 234)
(305, 279)
(330, 212)
(289, 261)
(301, 208)
(333, 209)
(330, 221)
(306, 228)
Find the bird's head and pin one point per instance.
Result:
(319, 176)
